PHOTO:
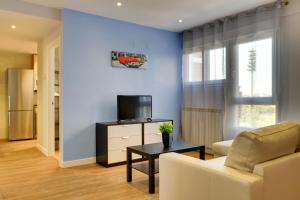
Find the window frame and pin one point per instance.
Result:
(205, 61)
(238, 101)
(257, 100)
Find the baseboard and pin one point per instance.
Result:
(42, 149)
(74, 163)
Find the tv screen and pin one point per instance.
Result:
(134, 107)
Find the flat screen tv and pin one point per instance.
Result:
(138, 107)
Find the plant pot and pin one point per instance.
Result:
(167, 139)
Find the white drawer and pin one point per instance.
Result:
(123, 142)
(153, 127)
(153, 138)
(119, 155)
(124, 130)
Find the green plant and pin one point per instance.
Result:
(166, 128)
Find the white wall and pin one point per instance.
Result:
(13, 44)
(45, 93)
(9, 60)
(290, 61)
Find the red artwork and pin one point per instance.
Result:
(128, 60)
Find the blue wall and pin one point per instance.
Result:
(91, 85)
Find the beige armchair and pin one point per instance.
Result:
(186, 178)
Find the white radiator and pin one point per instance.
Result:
(202, 126)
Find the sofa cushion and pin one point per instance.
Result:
(221, 148)
(250, 148)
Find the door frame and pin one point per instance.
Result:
(51, 99)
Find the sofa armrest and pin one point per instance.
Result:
(281, 177)
(182, 177)
(221, 148)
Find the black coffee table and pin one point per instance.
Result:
(151, 152)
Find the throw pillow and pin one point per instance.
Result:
(250, 148)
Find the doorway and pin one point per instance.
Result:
(27, 43)
(54, 92)
(56, 102)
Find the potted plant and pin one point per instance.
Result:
(166, 130)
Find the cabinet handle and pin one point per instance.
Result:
(123, 150)
(158, 133)
(125, 125)
(125, 137)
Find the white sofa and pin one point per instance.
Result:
(186, 178)
(221, 148)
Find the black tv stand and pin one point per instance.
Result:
(112, 138)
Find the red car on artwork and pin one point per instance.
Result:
(130, 61)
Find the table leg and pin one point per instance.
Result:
(202, 152)
(151, 175)
(129, 166)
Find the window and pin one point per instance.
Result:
(255, 84)
(255, 116)
(211, 68)
(195, 67)
(217, 63)
(255, 69)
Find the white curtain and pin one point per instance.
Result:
(230, 71)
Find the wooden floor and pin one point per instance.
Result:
(28, 175)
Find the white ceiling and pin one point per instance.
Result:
(163, 14)
(29, 30)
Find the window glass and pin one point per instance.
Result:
(211, 69)
(195, 67)
(255, 116)
(217, 63)
(255, 75)
(255, 69)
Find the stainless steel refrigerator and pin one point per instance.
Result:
(20, 104)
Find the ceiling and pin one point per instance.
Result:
(162, 14)
(29, 30)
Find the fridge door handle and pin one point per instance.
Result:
(8, 102)
(8, 119)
